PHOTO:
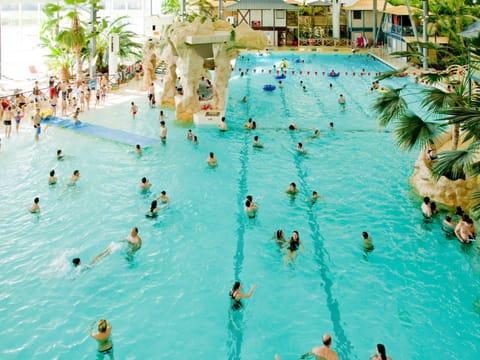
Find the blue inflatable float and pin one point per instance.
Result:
(282, 76)
(269, 87)
(333, 74)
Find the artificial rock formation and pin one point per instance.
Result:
(451, 193)
(185, 62)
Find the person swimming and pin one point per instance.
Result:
(236, 295)
(300, 148)
(52, 179)
(279, 237)
(35, 207)
(448, 226)
(212, 162)
(163, 197)
(257, 143)
(74, 178)
(103, 337)
(138, 149)
(154, 209)
(59, 154)
(367, 241)
(145, 184)
(293, 245)
(292, 189)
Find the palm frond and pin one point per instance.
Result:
(453, 164)
(433, 78)
(436, 100)
(388, 74)
(390, 105)
(467, 118)
(412, 132)
(475, 202)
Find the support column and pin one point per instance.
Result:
(336, 19)
(425, 33)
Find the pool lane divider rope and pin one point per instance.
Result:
(235, 328)
(102, 132)
(344, 346)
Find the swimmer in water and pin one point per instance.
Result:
(138, 149)
(292, 127)
(330, 125)
(236, 295)
(154, 209)
(163, 131)
(448, 226)
(103, 337)
(257, 143)
(315, 134)
(212, 162)
(223, 125)
(381, 353)
(59, 154)
(250, 209)
(244, 99)
(279, 237)
(134, 241)
(292, 189)
(52, 179)
(195, 139)
(190, 134)
(163, 197)
(322, 352)
(293, 245)
(367, 242)
(280, 84)
(74, 178)
(342, 102)
(145, 184)
(35, 207)
(300, 148)
(426, 208)
(248, 124)
(314, 197)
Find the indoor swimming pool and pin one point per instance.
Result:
(417, 292)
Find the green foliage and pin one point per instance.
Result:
(414, 133)
(170, 7)
(390, 105)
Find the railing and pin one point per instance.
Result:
(323, 41)
(402, 30)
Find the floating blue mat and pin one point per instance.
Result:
(102, 132)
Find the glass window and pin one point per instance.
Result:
(134, 4)
(357, 14)
(119, 4)
(5, 7)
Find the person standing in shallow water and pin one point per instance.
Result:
(236, 295)
(367, 242)
(103, 337)
(322, 352)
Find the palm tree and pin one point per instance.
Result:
(462, 115)
(74, 37)
(129, 48)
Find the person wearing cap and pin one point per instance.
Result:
(323, 352)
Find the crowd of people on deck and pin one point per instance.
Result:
(59, 98)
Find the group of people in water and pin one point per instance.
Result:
(459, 225)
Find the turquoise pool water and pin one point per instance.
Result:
(417, 292)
